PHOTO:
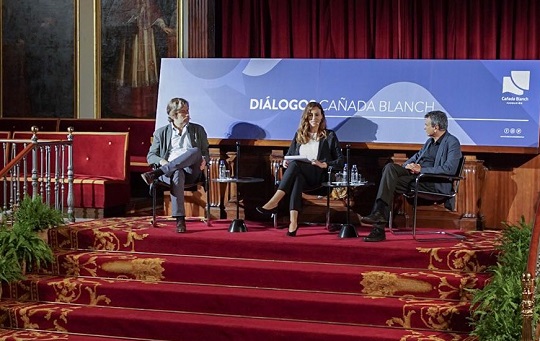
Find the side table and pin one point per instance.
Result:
(238, 225)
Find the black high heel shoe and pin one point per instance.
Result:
(266, 212)
(293, 233)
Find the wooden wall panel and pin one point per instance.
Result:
(510, 189)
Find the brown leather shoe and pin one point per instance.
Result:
(180, 225)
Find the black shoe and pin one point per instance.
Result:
(180, 225)
(158, 184)
(265, 212)
(334, 227)
(293, 233)
(148, 177)
(374, 218)
(377, 234)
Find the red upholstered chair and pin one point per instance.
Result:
(100, 167)
(138, 129)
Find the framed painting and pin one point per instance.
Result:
(38, 58)
(134, 35)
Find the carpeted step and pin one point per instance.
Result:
(269, 274)
(163, 325)
(28, 334)
(313, 244)
(123, 278)
(447, 315)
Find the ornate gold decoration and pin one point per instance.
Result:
(145, 269)
(461, 256)
(433, 314)
(126, 266)
(132, 237)
(105, 240)
(109, 241)
(70, 290)
(383, 283)
(73, 267)
(50, 310)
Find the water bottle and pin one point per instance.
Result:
(222, 169)
(354, 174)
(345, 175)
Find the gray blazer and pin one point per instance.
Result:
(446, 162)
(161, 143)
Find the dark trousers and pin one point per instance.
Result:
(185, 169)
(298, 177)
(397, 179)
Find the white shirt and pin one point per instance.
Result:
(310, 149)
(180, 142)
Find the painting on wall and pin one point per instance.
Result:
(38, 58)
(135, 35)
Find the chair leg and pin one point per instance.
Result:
(207, 189)
(398, 231)
(154, 204)
(444, 235)
(448, 236)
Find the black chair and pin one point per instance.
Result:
(432, 198)
(203, 181)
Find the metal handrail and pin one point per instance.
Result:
(40, 157)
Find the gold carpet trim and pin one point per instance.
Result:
(27, 335)
(416, 336)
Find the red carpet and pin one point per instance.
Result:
(120, 277)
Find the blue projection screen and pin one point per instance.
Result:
(488, 102)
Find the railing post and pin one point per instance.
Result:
(71, 215)
(527, 306)
(34, 162)
(4, 179)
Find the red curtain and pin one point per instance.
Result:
(406, 29)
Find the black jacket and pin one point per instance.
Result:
(329, 150)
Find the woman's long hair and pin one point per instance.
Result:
(302, 134)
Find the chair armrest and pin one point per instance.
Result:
(432, 176)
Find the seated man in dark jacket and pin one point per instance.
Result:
(439, 155)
